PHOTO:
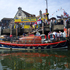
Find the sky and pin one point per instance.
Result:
(9, 8)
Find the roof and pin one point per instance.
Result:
(28, 14)
(42, 14)
(7, 19)
(53, 18)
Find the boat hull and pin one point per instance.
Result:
(56, 45)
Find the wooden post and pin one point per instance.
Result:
(16, 30)
(42, 28)
(11, 23)
(10, 28)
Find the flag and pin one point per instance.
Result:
(39, 21)
(35, 24)
(65, 14)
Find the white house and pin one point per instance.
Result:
(22, 14)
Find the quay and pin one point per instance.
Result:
(22, 30)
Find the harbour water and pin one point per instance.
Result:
(35, 60)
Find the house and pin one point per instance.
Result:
(25, 18)
(22, 14)
(6, 21)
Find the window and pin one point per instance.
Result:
(19, 14)
(6, 21)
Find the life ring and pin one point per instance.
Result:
(48, 36)
(40, 38)
(45, 36)
(54, 36)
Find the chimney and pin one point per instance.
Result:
(19, 8)
(40, 12)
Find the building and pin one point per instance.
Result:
(22, 14)
(24, 18)
(5, 22)
(0, 23)
(43, 15)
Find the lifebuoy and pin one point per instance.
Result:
(40, 38)
(54, 36)
(45, 36)
(48, 36)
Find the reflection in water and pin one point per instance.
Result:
(35, 60)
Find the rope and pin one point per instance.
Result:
(64, 44)
(51, 45)
(57, 44)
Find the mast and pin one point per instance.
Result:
(42, 22)
(47, 10)
(46, 4)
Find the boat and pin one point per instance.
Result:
(33, 42)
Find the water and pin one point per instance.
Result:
(35, 60)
